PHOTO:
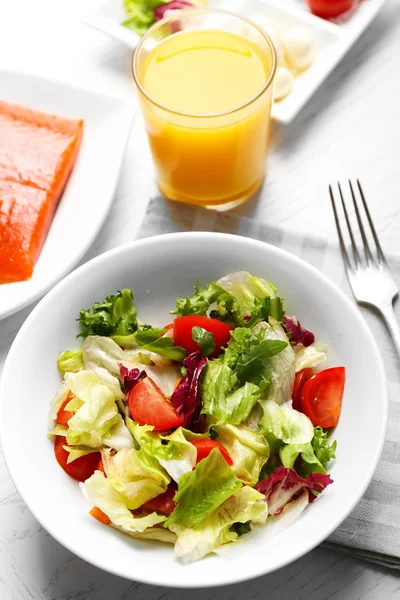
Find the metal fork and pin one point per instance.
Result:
(367, 271)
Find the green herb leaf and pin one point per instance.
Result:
(204, 339)
(241, 528)
(161, 345)
(250, 366)
(213, 433)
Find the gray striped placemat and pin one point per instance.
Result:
(372, 531)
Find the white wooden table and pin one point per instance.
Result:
(350, 128)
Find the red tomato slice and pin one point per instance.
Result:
(327, 9)
(321, 396)
(183, 332)
(300, 379)
(63, 416)
(204, 447)
(149, 406)
(100, 467)
(79, 469)
(164, 503)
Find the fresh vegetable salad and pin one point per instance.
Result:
(201, 431)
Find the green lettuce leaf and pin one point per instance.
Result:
(221, 399)
(309, 462)
(150, 533)
(247, 289)
(57, 401)
(98, 413)
(281, 365)
(75, 452)
(116, 315)
(70, 361)
(99, 491)
(245, 505)
(174, 452)
(324, 450)
(119, 436)
(307, 357)
(248, 450)
(201, 491)
(140, 15)
(103, 356)
(202, 299)
(286, 424)
(137, 476)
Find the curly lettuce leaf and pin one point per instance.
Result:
(116, 315)
(202, 490)
(248, 450)
(323, 449)
(137, 476)
(245, 506)
(99, 491)
(202, 299)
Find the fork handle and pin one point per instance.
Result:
(392, 323)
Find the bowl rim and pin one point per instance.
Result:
(201, 236)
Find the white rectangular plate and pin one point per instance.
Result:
(334, 40)
(90, 189)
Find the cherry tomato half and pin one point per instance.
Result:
(300, 379)
(321, 396)
(164, 503)
(81, 468)
(183, 332)
(149, 406)
(204, 447)
(63, 416)
(327, 9)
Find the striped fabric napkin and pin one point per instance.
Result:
(372, 531)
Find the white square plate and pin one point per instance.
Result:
(90, 189)
(334, 40)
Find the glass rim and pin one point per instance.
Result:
(172, 18)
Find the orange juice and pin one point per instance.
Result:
(207, 113)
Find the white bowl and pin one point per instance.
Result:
(159, 270)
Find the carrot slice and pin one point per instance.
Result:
(99, 515)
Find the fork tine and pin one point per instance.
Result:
(341, 242)
(381, 256)
(357, 259)
(368, 256)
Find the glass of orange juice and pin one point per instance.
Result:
(204, 78)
